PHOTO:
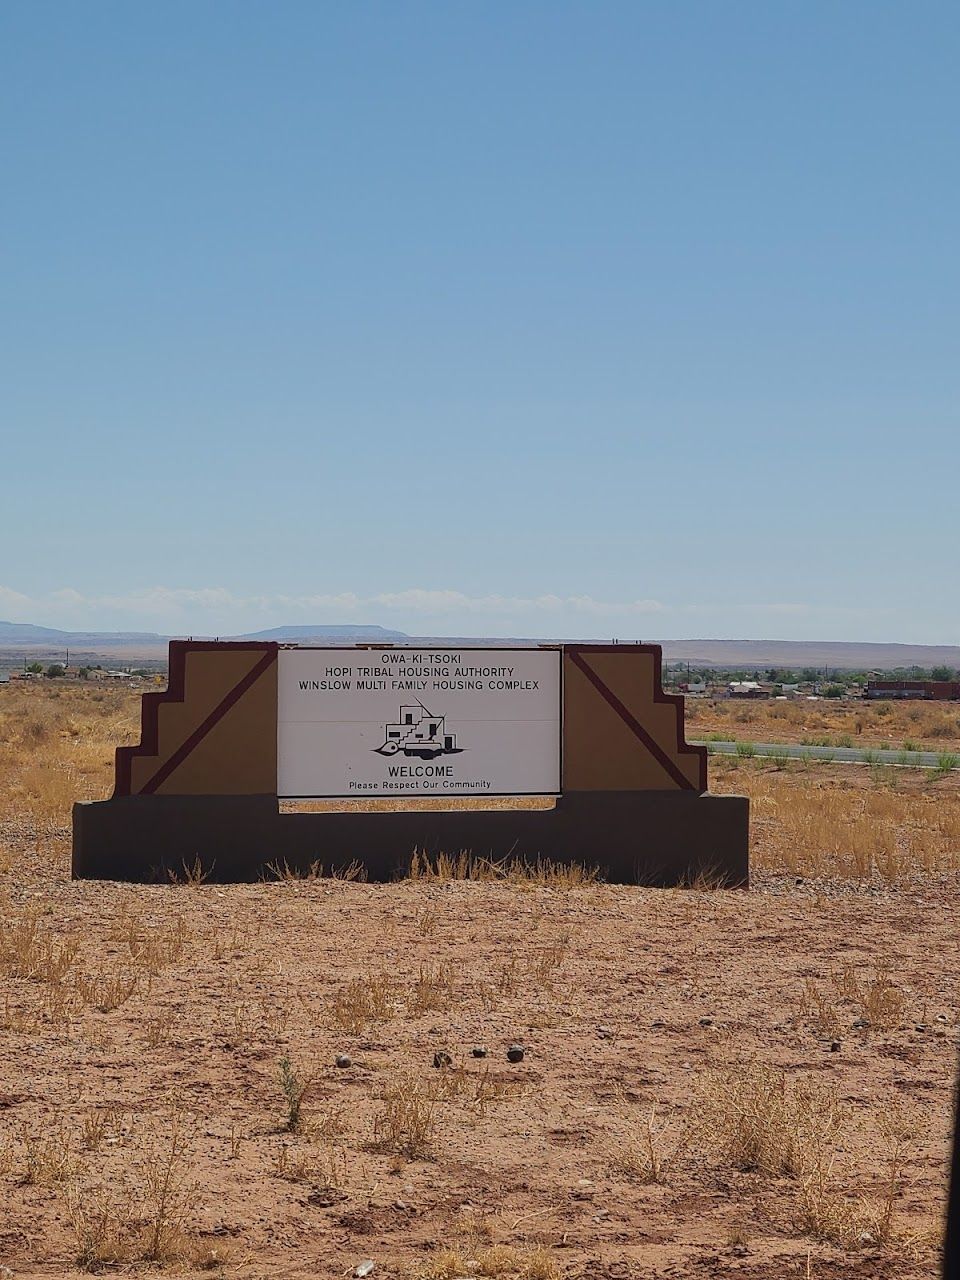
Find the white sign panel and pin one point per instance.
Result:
(436, 722)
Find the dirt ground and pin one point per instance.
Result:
(746, 1084)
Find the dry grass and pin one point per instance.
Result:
(830, 723)
(57, 746)
(810, 826)
(464, 866)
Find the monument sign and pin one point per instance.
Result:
(381, 751)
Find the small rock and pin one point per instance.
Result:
(705, 1022)
(834, 1046)
(515, 1053)
(442, 1059)
(861, 1023)
(658, 1022)
(342, 1060)
(942, 1017)
(365, 1268)
(921, 1026)
(605, 1033)
(479, 1051)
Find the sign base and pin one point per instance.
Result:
(632, 837)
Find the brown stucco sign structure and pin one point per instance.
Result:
(240, 724)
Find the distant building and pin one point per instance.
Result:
(933, 690)
(746, 689)
(787, 690)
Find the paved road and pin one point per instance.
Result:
(839, 755)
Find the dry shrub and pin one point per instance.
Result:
(167, 1193)
(151, 949)
(26, 952)
(643, 1151)
(547, 959)
(851, 1219)
(100, 1124)
(850, 997)
(485, 1088)
(756, 1119)
(427, 921)
(433, 989)
(106, 991)
(324, 1169)
(48, 1157)
(404, 1122)
(102, 1223)
(144, 1216)
(191, 873)
(364, 1001)
(157, 1030)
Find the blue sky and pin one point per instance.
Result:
(633, 319)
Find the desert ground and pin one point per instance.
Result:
(714, 1083)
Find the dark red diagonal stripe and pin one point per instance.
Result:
(631, 721)
(217, 714)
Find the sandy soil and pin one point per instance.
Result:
(624, 999)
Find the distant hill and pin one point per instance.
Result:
(28, 633)
(294, 635)
(21, 639)
(842, 654)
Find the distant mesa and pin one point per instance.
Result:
(299, 634)
(20, 638)
(28, 633)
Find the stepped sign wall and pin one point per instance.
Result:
(244, 726)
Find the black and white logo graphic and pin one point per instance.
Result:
(420, 733)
